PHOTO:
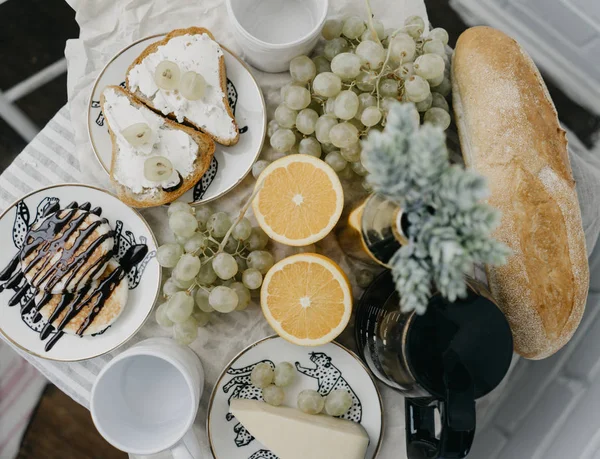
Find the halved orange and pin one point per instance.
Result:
(300, 200)
(307, 299)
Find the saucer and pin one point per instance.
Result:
(230, 164)
(23, 328)
(315, 366)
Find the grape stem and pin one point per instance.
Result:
(371, 24)
(240, 216)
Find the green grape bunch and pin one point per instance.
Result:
(216, 264)
(336, 97)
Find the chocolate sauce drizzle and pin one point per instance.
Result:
(45, 240)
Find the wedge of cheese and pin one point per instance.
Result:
(292, 434)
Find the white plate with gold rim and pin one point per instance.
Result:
(324, 368)
(230, 164)
(131, 232)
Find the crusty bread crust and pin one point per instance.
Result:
(206, 149)
(222, 73)
(509, 132)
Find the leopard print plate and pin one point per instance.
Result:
(324, 368)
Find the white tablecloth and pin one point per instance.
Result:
(61, 153)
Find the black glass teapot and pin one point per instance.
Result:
(441, 361)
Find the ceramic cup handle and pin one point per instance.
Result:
(188, 447)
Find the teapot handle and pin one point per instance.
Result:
(421, 439)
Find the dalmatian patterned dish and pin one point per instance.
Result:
(324, 368)
(27, 329)
(230, 164)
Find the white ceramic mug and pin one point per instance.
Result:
(273, 32)
(145, 400)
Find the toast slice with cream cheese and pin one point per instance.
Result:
(183, 76)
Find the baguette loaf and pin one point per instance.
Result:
(221, 82)
(156, 196)
(509, 132)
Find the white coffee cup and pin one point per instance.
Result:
(145, 400)
(273, 32)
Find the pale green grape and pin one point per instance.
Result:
(371, 116)
(182, 284)
(243, 295)
(185, 333)
(203, 213)
(329, 108)
(357, 124)
(206, 275)
(224, 266)
(439, 101)
(338, 402)
(405, 71)
(179, 206)
(242, 265)
(285, 374)
(257, 240)
(168, 255)
(364, 278)
(259, 166)
(262, 375)
(343, 135)
(424, 105)
(306, 121)
(328, 147)
(336, 161)
(379, 29)
(232, 246)
(346, 66)
(302, 69)
(444, 87)
(283, 140)
(332, 29)
(416, 88)
(439, 34)
(183, 224)
(327, 84)
(218, 224)
(346, 105)
(223, 299)
(437, 117)
(180, 307)
(273, 127)
(201, 299)
(436, 81)
(365, 81)
(310, 146)
(187, 267)
(310, 401)
(387, 103)
(335, 47)
(285, 117)
(359, 169)
(321, 64)
(170, 287)
(402, 48)
(242, 230)
(157, 168)
(323, 127)
(273, 395)
(202, 318)
(352, 153)
(388, 87)
(261, 260)
(371, 53)
(414, 26)
(296, 97)
(346, 173)
(434, 47)
(195, 243)
(429, 66)
(161, 316)
(365, 100)
(353, 27)
(252, 278)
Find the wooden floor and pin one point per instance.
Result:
(62, 429)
